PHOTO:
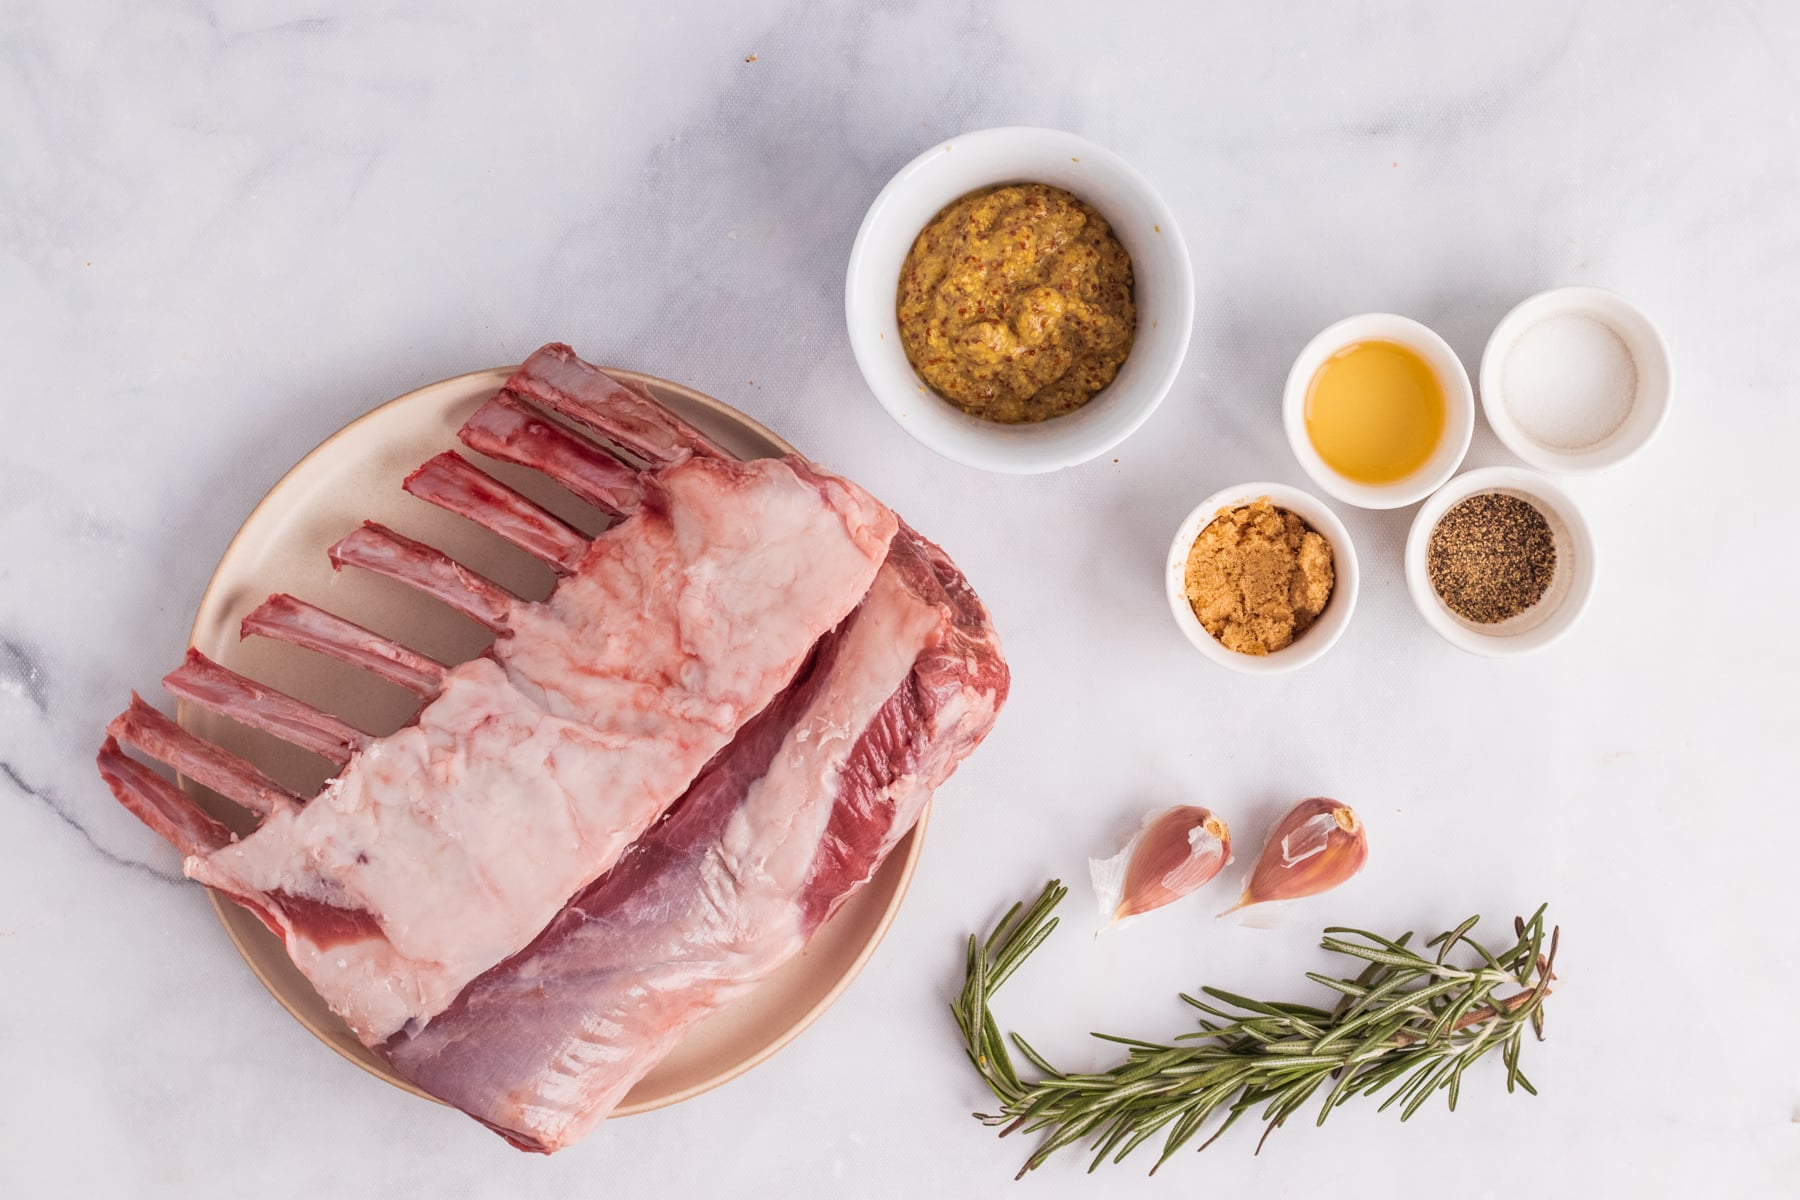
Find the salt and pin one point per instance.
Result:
(1569, 382)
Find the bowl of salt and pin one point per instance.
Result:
(1575, 379)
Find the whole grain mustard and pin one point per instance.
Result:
(1015, 303)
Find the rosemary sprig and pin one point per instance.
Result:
(1405, 1023)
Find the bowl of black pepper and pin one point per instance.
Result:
(1500, 561)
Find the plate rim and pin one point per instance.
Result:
(904, 857)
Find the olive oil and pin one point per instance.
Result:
(1375, 411)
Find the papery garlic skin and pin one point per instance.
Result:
(1318, 845)
(1312, 836)
(1175, 852)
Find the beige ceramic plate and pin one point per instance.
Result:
(355, 475)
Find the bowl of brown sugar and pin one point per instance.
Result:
(1500, 561)
(1261, 578)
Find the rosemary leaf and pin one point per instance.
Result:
(1403, 1023)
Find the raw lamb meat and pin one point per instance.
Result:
(426, 891)
(780, 829)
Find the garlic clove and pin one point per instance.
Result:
(1173, 853)
(1315, 847)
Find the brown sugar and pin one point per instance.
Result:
(1258, 576)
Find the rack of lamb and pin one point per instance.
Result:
(641, 800)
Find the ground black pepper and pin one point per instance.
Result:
(1491, 557)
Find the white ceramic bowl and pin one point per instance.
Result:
(1650, 403)
(1570, 585)
(1322, 634)
(1459, 409)
(1163, 282)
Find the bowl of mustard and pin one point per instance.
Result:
(1019, 299)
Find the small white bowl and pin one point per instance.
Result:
(1322, 634)
(1570, 586)
(1459, 409)
(1163, 285)
(1649, 406)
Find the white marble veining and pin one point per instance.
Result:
(228, 227)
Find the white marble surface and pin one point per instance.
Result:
(226, 228)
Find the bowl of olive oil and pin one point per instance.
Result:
(1379, 411)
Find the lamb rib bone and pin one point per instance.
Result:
(283, 618)
(158, 803)
(558, 380)
(217, 689)
(505, 428)
(451, 482)
(378, 549)
(225, 773)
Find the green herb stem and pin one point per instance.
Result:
(1405, 1024)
